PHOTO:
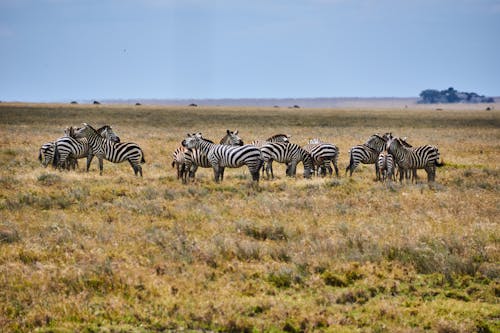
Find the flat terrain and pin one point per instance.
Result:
(119, 253)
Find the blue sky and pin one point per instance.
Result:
(61, 50)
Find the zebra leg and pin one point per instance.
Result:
(89, 160)
(222, 173)
(377, 171)
(216, 168)
(192, 171)
(336, 169)
(100, 166)
(269, 168)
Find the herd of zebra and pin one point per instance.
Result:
(389, 154)
(85, 141)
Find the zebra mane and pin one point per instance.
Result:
(102, 129)
(280, 135)
(90, 127)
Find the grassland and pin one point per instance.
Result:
(117, 253)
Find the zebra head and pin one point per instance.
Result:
(231, 138)
(107, 132)
(192, 140)
(84, 132)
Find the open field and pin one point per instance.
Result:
(118, 253)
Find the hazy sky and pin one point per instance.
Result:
(61, 50)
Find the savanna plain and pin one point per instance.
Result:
(118, 253)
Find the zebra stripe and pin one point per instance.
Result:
(367, 153)
(289, 153)
(115, 152)
(275, 138)
(222, 156)
(362, 154)
(323, 154)
(69, 147)
(423, 157)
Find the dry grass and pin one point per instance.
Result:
(80, 252)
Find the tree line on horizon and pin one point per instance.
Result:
(451, 95)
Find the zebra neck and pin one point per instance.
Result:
(204, 146)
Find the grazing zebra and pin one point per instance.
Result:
(222, 156)
(386, 165)
(46, 156)
(289, 153)
(115, 152)
(323, 154)
(362, 154)
(423, 157)
(68, 146)
(367, 153)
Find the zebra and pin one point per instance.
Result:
(367, 153)
(386, 165)
(322, 154)
(222, 156)
(68, 146)
(423, 157)
(289, 153)
(179, 161)
(188, 160)
(275, 138)
(46, 156)
(115, 152)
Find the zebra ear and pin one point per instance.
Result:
(228, 131)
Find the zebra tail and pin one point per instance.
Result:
(57, 157)
(40, 155)
(144, 161)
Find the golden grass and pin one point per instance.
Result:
(83, 252)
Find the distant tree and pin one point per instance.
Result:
(451, 95)
(430, 96)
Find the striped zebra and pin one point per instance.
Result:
(188, 160)
(46, 156)
(290, 154)
(423, 157)
(179, 161)
(367, 153)
(115, 152)
(222, 156)
(323, 154)
(275, 138)
(69, 147)
(386, 165)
